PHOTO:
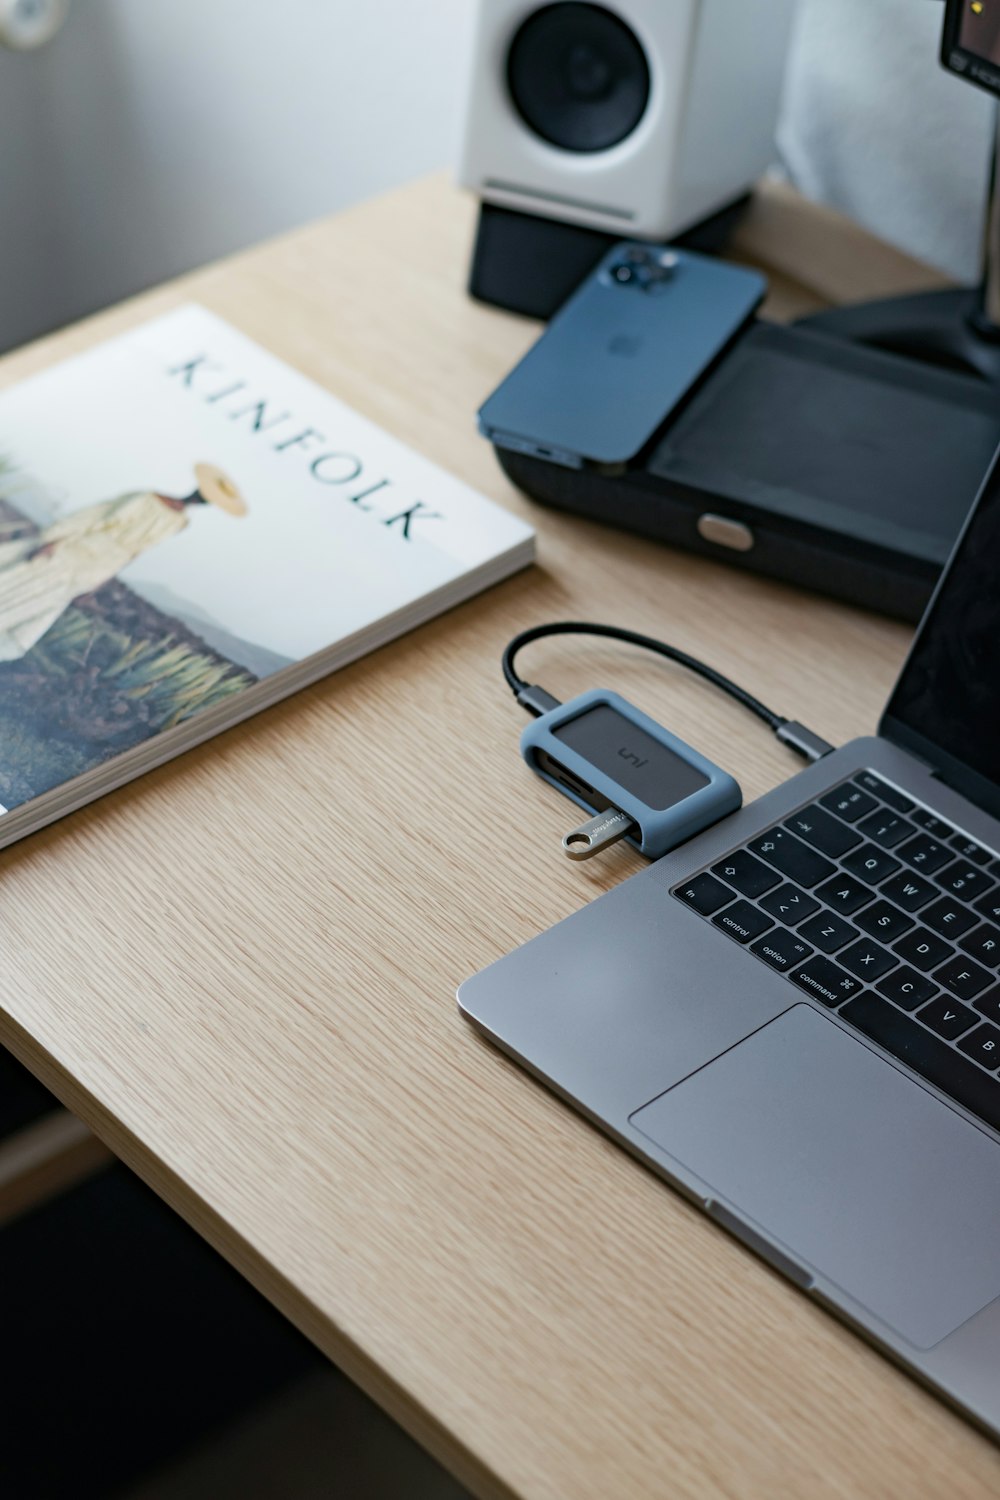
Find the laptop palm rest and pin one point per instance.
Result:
(855, 1171)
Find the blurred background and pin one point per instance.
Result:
(143, 139)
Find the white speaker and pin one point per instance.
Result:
(632, 117)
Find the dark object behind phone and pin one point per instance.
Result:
(841, 468)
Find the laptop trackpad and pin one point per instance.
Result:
(858, 1172)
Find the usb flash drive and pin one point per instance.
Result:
(636, 779)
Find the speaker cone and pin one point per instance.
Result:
(578, 76)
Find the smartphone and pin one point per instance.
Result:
(620, 355)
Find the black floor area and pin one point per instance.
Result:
(128, 1346)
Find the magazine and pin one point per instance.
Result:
(189, 531)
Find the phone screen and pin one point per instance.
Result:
(979, 29)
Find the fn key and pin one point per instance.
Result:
(704, 893)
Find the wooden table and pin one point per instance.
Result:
(240, 972)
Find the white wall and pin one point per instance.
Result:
(152, 135)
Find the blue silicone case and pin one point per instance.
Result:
(659, 830)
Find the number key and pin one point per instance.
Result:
(885, 829)
(963, 879)
(989, 905)
(925, 854)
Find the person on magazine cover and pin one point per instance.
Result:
(41, 575)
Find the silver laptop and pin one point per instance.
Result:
(795, 1018)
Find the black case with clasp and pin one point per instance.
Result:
(834, 466)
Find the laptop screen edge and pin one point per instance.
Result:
(953, 770)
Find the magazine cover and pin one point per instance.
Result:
(182, 516)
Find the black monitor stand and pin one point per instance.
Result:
(957, 329)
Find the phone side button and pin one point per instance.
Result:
(724, 532)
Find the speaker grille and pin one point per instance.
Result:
(578, 76)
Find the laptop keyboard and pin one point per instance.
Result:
(883, 912)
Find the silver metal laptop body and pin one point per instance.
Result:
(795, 1018)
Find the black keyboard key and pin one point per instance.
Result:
(781, 949)
(704, 893)
(907, 988)
(844, 894)
(884, 921)
(924, 854)
(826, 834)
(878, 788)
(828, 932)
(949, 1018)
(989, 1004)
(966, 849)
(821, 978)
(984, 1045)
(789, 905)
(867, 960)
(849, 802)
(930, 823)
(923, 949)
(871, 864)
(793, 858)
(949, 918)
(742, 921)
(745, 873)
(963, 977)
(983, 945)
(989, 906)
(911, 892)
(933, 1059)
(887, 829)
(965, 881)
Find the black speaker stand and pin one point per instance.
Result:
(529, 264)
(958, 330)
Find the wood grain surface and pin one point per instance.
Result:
(240, 971)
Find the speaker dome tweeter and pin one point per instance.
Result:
(578, 76)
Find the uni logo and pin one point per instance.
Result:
(632, 758)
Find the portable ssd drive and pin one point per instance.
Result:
(604, 753)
